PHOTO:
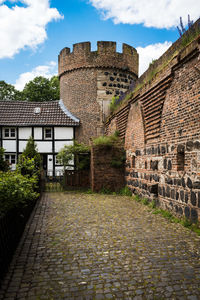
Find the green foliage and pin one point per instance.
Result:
(152, 63)
(8, 92)
(79, 152)
(152, 204)
(118, 160)
(125, 192)
(27, 166)
(128, 96)
(55, 87)
(168, 215)
(4, 166)
(105, 140)
(113, 104)
(190, 35)
(89, 192)
(137, 198)
(30, 161)
(41, 89)
(16, 190)
(145, 201)
(105, 191)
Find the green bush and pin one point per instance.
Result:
(79, 152)
(28, 166)
(16, 190)
(4, 166)
(125, 192)
(29, 161)
(105, 140)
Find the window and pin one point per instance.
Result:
(57, 160)
(133, 161)
(9, 133)
(48, 133)
(180, 158)
(10, 158)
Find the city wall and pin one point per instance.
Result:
(160, 126)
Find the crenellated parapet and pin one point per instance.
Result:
(106, 56)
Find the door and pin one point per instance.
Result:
(44, 162)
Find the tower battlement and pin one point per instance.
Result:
(106, 56)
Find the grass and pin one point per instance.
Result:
(195, 227)
(106, 140)
(186, 39)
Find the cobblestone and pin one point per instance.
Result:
(78, 246)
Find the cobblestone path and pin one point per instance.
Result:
(79, 246)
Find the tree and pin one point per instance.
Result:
(8, 92)
(55, 87)
(30, 160)
(80, 153)
(41, 89)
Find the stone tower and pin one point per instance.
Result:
(89, 80)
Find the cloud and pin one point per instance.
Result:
(151, 13)
(47, 71)
(149, 53)
(24, 25)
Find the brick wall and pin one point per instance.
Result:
(103, 175)
(162, 137)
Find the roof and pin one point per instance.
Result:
(22, 113)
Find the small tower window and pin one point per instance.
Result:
(133, 161)
(180, 158)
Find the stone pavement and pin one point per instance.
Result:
(79, 246)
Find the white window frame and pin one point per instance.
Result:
(45, 137)
(57, 163)
(10, 158)
(10, 129)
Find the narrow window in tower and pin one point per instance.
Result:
(180, 158)
(133, 161)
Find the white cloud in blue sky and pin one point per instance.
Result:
(146, 55)
(48, 70)
(151, 13)
(24, 25)
(149, 53)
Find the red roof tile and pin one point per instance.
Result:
(22, 113)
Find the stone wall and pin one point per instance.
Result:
(103, 174)
(89, 79)
(162, 133)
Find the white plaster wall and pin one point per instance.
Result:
(60, 144)
(38, 133)
(25, 132)
(63, 133)
(13, 167)
(9, 145)
(44, 147)
(22, 145)
(58, 171)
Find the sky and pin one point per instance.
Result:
(33, 32)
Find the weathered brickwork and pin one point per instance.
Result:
(89, 79)
(162, 136)
(103, 174)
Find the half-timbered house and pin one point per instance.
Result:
(50, 124)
